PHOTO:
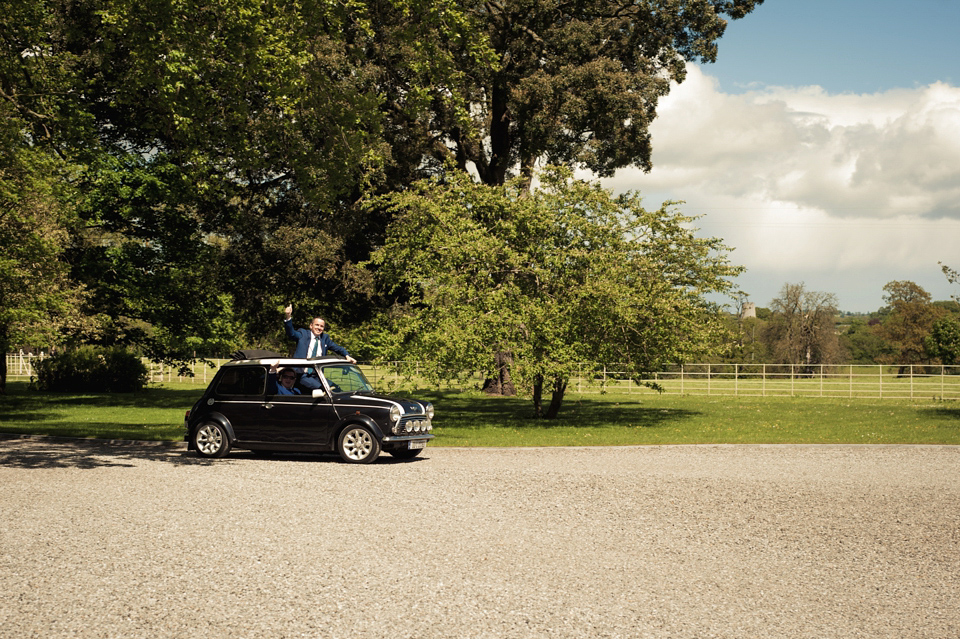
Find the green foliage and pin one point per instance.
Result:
(40, 304)
(747, 344)
(195, 166)
(573, 83)
(944, 340)
(565, 274)
(36, 296)
(910, 320)
(865, 345)
(89, 369)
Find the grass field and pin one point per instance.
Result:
(468, 419)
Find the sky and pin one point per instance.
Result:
(823, 146)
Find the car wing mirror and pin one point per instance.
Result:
(318, 392)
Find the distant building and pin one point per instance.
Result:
(749, 310)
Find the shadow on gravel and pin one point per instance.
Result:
(384, 459)
(46, 454)
(42, 453)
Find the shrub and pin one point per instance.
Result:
(91, 369)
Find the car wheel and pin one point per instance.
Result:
(358, 445)
(211, 440)
(406, 453)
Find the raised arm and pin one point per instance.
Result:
(288, 322)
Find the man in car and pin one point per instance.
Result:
(287, 376)
(311, 342)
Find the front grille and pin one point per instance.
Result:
(408, 425)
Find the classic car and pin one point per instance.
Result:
(245, 408)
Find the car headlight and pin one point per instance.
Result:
(395, 413)
(429, 411)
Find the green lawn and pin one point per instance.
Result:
(465, 419)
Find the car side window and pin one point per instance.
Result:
(242, 381)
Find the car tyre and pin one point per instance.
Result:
(211, 440)
(358, 445)
(406, 453)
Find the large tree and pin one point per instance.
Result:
(573, 83)
(565, 275)
(39, 303)
(909, 321)
(220, 148)
(802, 328)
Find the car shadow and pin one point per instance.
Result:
(38, 452)
(334, 458)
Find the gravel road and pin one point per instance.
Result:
(126, 540)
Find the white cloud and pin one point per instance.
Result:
(805, 183)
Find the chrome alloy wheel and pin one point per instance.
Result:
(358, 445)
(211, 441)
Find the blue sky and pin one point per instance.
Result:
(823, 146)
(858, 46)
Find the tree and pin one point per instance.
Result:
(944, 340)
(220, 148)
(909, 322)
(802, 328)
(220, 152)
(953, 276)
(864, 345)
(572, 83)
(39, 304)
(566, 274)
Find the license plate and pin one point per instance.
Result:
(420, 443)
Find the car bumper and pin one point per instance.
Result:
(394, 439)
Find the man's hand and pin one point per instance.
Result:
(288, 312)
(351, 360)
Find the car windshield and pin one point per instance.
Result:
(346, 378)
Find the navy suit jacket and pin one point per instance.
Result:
(304, 337)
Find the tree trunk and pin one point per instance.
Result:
(4, 347)
(556, 398)
(538, 396)
(500, 383)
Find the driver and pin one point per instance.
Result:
(288, 379)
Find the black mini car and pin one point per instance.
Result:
(245, 407)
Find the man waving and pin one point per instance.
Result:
(312, 342)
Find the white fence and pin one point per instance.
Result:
(869, 381)
(872, 381)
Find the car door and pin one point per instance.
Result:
(299, 420)
(239, 396)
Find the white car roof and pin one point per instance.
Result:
(288, 361)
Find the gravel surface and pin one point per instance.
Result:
(111, 539)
